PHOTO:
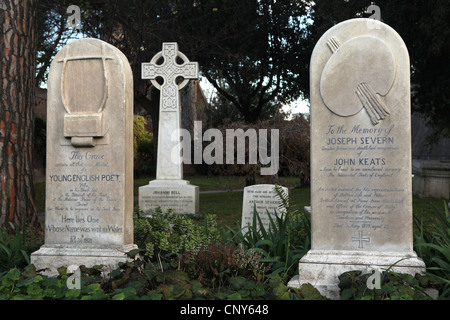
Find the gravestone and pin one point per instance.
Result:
(89, 167)
(264, 199)
(169, 190)
(431, 178)
(431, 163)
(361, 197)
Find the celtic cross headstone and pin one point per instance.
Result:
(169, 71)
(169, 190)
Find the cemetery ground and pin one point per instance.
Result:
(198, 257)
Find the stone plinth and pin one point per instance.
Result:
(322, 268)
(179, 195)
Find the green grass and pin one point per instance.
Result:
(212, 183)
(227, 206)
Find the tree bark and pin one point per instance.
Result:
(18, 73)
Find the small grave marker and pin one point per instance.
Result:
(264, 199)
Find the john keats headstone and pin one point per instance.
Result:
(89, 173)
(169, 190)
(264, 198)
(360, 154)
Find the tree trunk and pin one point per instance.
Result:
(18, 72)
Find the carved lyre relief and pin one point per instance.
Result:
(84, 91)
(357, 75)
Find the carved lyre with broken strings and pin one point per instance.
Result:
(84, 97)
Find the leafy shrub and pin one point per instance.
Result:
(250, 265)
(277, 244)
(144, 161)
(187, 260)
(212, 265)
(217, 263)
(294, 150)
(13, 251)
(393, 286)
(169, 234)
(432, 244)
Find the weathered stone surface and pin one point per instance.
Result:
(89, 168)
(322, 268)
(361, 197)
(431, 178)
(179, 195)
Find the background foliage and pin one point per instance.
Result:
(294, 154)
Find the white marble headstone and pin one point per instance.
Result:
(264, 199)
(89, 168)
(361, 195)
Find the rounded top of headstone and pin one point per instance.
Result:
(81, 69)
(354, 65)
(91, 48)
(357, 27)
(362, 59)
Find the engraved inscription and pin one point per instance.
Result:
(82, 205)
(364, 196)
(264, 200)
(174, 199)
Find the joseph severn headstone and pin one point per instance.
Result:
(89, 167)
(169, 190)
(264, 199)
(361, 195)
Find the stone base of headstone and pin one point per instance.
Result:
(321, 268)
(431, 178)
(50, 258)
(179, 195)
